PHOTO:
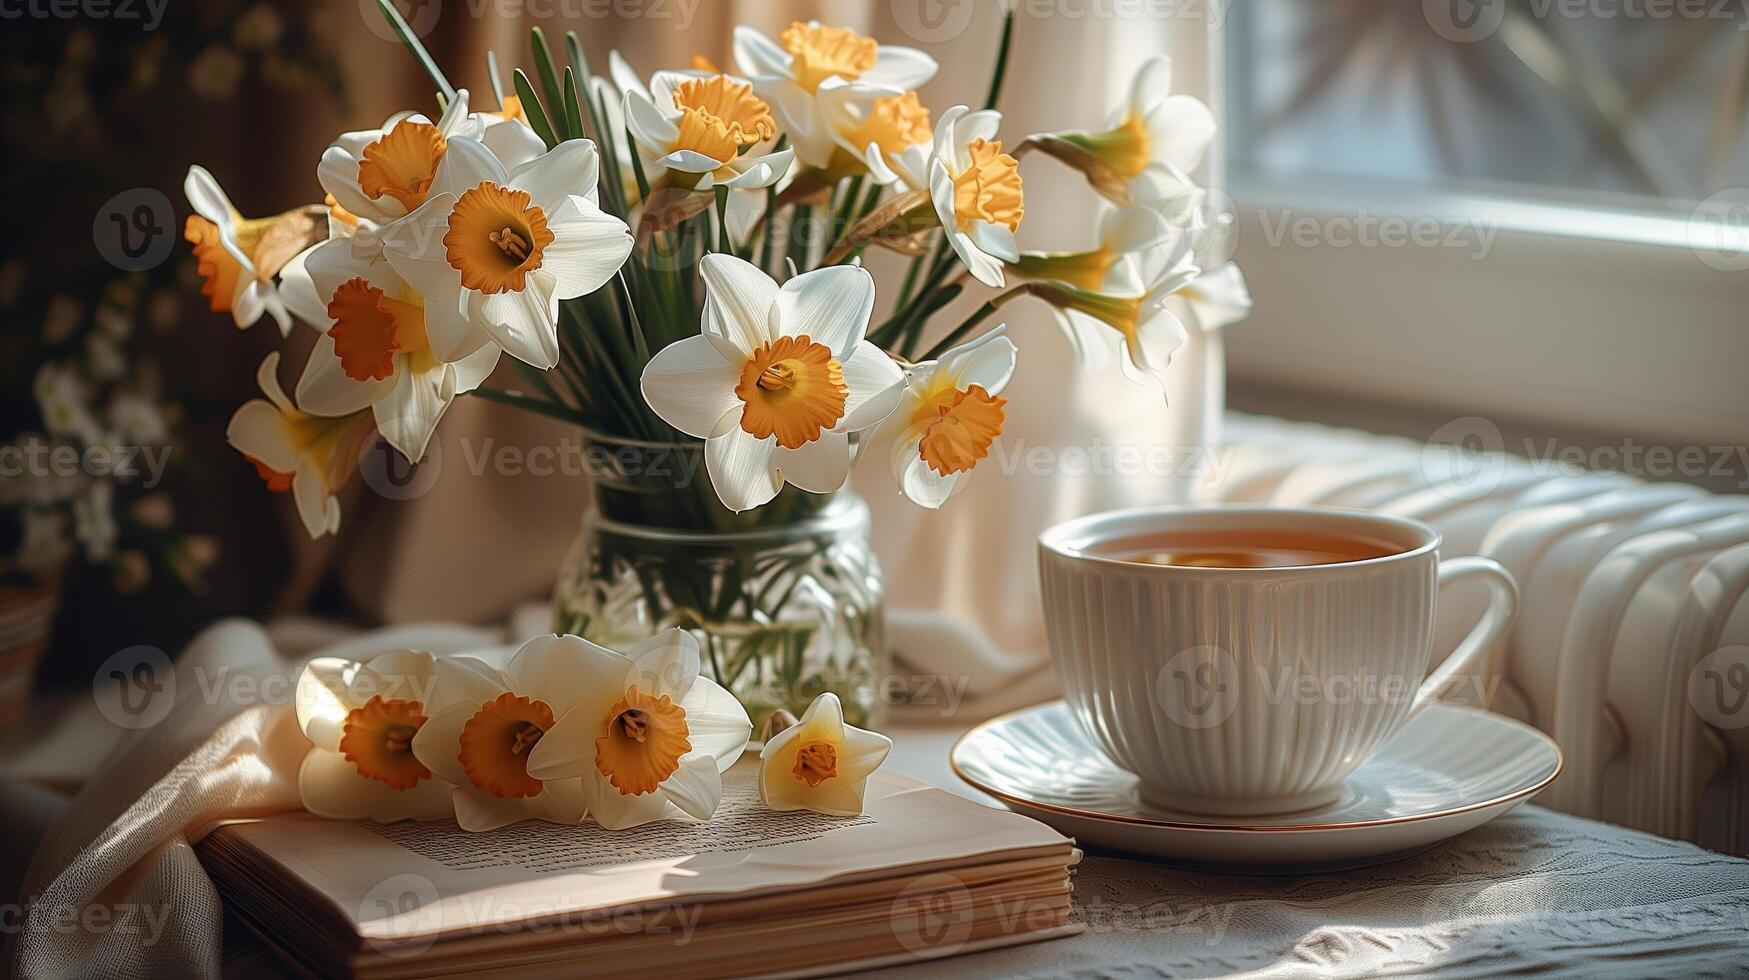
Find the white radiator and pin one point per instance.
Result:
(1632, 641)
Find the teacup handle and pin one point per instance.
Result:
(1496, 619)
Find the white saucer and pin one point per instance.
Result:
(1450, 770)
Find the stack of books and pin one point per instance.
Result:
(922, 874)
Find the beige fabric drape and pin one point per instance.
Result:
(961, 581)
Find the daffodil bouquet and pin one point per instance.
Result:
(678, 261)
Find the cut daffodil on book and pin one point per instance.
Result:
(820, 763)
(500, 248)
(485, 723)
(237, 257)
(311, 456)
(949, 416)
(777, 381)
(361, 719)
(797, 72)
(648, 732)
(375, 351)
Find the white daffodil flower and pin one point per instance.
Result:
(648, 732)
(777, 380)
(486, 725)
(696, 131)
(312, 456)
(375, 351)
(820, 763)
(1153, 139)
(1135, 241)
(500, 249)
(809, 59)
(238, 257)
(877, 131)
(383, 175)
(360, 719)
(1140, 311)
(948, 417)
(974, 188)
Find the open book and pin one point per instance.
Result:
(921, 874)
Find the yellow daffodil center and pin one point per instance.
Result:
(370, 328)
(496, 741)
(218, 271)
(792, 388)
(816, 762)
(401, 163)
(511, 109)
(819, 52)
(377, 739)
(719, 116)
(496, 237)
(988, 189)
(641, 742)
(893, 123)
(964, 425)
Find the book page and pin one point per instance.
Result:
(399, 881)
(740, 822)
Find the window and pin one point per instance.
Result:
(1531, 208)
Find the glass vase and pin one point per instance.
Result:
(786, 599)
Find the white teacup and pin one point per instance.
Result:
(1240, 691)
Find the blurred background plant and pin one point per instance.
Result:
(105, 502)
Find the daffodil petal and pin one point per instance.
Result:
(666, 663)
(331, 787)
(524, 321)
(831, 306)
(739, 464)
(321, 701)
(437, 744)
(820, 466)
(690, 385)
(716, 723)
(739, 298)
(696, 787)
(616, 811)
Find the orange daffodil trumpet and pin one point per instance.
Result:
(649, 737)
(812, 72)
(820, 763)
(496, 250)
(307, 455)
(949, 416)
(777, 381)
(696, 131)
(361, 719)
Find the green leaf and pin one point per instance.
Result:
(573, 111)
(411, 40)
(531, 107)
(543, 66)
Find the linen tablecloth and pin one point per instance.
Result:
(1534, 891)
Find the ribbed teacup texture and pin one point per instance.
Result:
(1247, 690)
